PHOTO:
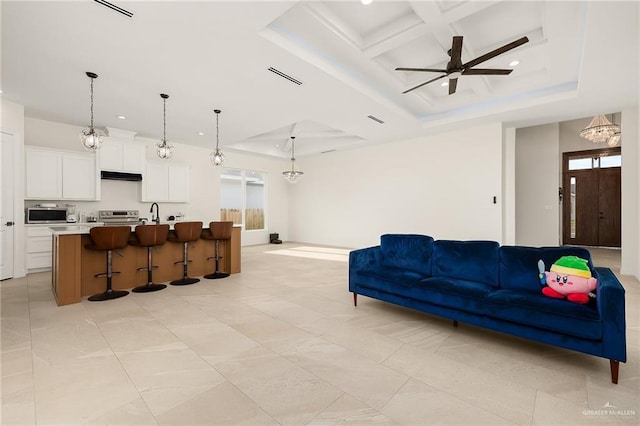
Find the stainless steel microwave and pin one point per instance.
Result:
(46, 215)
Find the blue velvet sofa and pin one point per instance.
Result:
(493, 286)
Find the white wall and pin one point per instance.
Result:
(537, 171)
(204, 180)
(442, 185)
(12, 122)
(630, 262)
(509, 186)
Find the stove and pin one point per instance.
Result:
(119, 217)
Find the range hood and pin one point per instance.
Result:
(133, 177)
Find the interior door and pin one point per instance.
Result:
(6, 207)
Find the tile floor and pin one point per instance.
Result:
(281, 343)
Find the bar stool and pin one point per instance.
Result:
(185, 232)
(149, 236)
(108, 238)
(218, 231)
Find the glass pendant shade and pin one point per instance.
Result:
(163, 148)
(217, 157)
(293, 175)
(600, 130)
(91, 137)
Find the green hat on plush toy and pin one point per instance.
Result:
(571, 265)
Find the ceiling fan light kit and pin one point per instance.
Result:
(455, 68)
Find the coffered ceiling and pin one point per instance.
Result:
(332, 82)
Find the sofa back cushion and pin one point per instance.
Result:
(407, 251)
(519, 264)
(467, 260)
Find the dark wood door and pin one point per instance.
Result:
(581, 212)
(609, 226)
(591, 207)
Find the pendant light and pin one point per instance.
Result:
(164, 149)
(293, 175)
(217, 157)
(91, 138)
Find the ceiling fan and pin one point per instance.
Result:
(455, 67)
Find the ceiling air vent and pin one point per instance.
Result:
(376, 119)
(283, 75)
(114, 7)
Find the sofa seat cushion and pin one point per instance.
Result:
(467, 260)
(519, 264)
(465, 295)
(536, 310)
(389, 280)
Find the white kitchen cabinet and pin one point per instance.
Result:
(75, 184)
(43, 174)
(60, 175)
(166, 183)
(122, 156)
(39, 248)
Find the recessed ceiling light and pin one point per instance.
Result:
(277, 145)
(200, 133)
(444, 84)
(366, 2)
(121, 117)
(513, 63)
(1, 92)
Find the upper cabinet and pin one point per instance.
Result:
(60, 175)
(166, 182)
(117, 155)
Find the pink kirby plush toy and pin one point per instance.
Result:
(570, 277)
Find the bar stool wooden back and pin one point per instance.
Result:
(108, 238)
(185, 233)
(218, 231)
(149, 236)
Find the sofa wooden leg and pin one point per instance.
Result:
(455, 323)
(615, 368)
(355, 299)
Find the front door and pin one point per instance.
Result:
(592, 196)
(6, 207)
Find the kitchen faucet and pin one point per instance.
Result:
(157, 219)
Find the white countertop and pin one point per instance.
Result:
(83, 228)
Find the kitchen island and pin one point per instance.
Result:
(75, 267)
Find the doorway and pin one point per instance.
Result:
(591, 184)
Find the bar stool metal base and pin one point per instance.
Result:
(185, 281)
(147, 288)
(216, 275)
(108, 295)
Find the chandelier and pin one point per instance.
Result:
(217, 157)
(600, 130)
(164, 149)
(293, 175)
(91, 138)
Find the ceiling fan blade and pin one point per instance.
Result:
(496, 52)
(420, 69)
(426, 82)
(453, 83)
(456, 52)
(486, 71)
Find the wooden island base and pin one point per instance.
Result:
(75, 267)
